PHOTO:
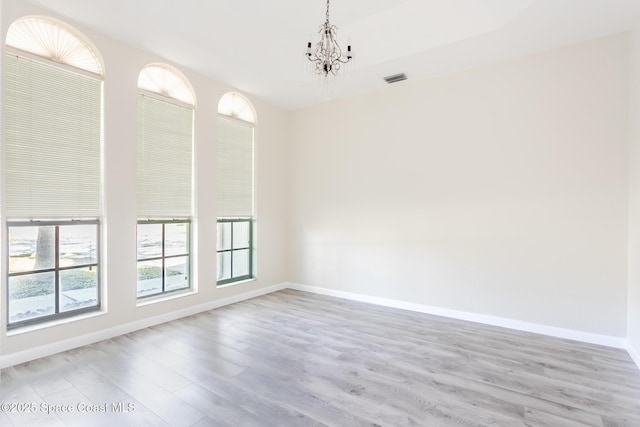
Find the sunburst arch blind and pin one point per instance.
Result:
(47, 38)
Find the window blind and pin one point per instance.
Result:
(234, 168)
(52, 141)
(164, 159)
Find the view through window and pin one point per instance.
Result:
(163, 257)
(235, 243)
(53, 269)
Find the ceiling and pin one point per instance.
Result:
(258, 46)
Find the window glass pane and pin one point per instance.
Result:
(176, 239)
(224, 236)
(78, 245)
(176, 273)
(149, 277)
(22, 248)
(79, 288)
(241, 263)
(224, 265)
(31, 248)
(149, 241)
(241, 233)
(31, 296)
(45, 248)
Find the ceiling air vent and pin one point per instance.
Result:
(395, 78)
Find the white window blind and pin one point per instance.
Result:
(164, 159)
(167, 81)
(52, 146)
(52, 39)
(234, 105)
(234, 168)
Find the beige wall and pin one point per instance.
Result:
(500, 191)
(634, 198)
(122, 65)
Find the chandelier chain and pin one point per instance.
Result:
(327, 11)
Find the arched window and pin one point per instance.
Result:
(236, 106)
(52, 100)
(54, 40)
(164, 175)
(165, 80)
(235, 189)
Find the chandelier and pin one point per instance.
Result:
(327, 56)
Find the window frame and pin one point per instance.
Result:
(56, 270)
(163, 257)
(250, 220)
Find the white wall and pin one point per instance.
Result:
(500, 191)
(122, 64)
(634, 199)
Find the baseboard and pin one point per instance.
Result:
(605, 340)
(57, 347)
(634, 353)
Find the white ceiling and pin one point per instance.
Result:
(258, 46)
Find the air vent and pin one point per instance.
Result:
(395, 78)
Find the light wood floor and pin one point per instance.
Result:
(296, 359)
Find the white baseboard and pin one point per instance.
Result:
(57, 347)
(634, 353)
(609, 341)
(60, 346)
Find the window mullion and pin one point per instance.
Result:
(251, 247)
(233, 224)
(164, 264)
(58, 294)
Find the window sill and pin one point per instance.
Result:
(19, 330)
(165, 297)
(239, 282)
